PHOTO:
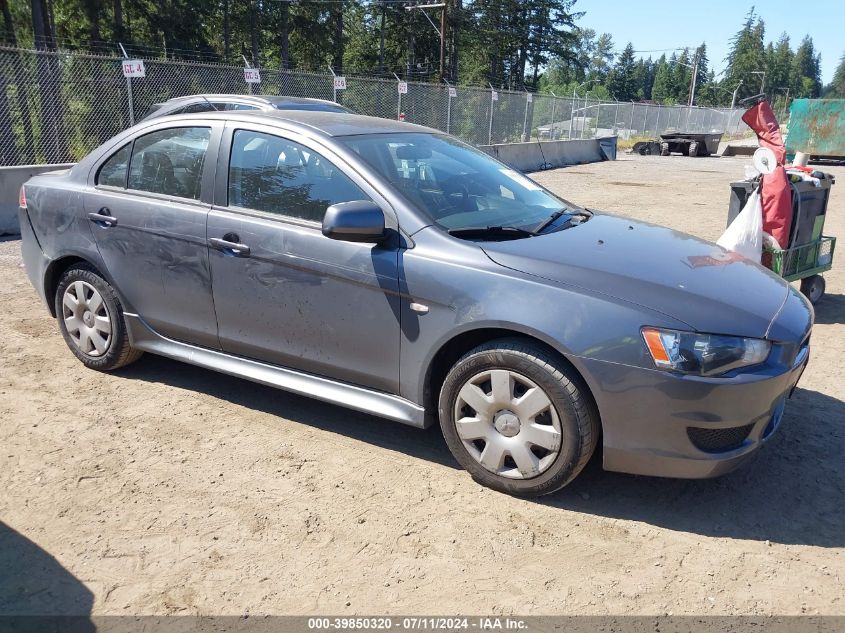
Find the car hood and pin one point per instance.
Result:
(681, 276)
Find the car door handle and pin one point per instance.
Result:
(103, 218)
(230, 247)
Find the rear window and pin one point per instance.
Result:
(113, 171)
(170, 161)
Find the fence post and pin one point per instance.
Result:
(334, 87)
(584, 116)
(571, 117)
(616, 118)
(448, 106)
(490, 128)
(632, 119)
(398, 98)
(598, 119)
(552, 127)
(525, 137)
(657, 124)
(129, 90)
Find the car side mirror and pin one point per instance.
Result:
(358, 221)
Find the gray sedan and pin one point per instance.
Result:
(390, 268)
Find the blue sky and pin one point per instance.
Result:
(659, 24)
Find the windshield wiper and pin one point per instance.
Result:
(559, 214)
(481, 231)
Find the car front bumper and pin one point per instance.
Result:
(646, 416)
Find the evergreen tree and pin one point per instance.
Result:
(681, 77)
(836, 88)
(661, 90)
(806, 70)
(747, 56)
(601, 59)
(779, 64)
(621, 80)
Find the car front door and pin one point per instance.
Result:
(288, 295)
(148, 217)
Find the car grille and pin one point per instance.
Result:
(718, 440)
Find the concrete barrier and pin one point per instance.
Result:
(11, 179)
(538, 155)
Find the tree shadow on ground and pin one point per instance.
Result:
(36, 592)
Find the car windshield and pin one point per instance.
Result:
(458, 186)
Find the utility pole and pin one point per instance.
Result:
(443, 41)
(694, 79)
(381, 41)
(441, 32)
(762, 74)
(733, 99)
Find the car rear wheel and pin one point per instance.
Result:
(91, 320)
(518, 418)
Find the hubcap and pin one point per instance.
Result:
(86, 318)
(508, 424)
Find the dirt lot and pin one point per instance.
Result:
(170, 489)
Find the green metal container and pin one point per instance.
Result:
(817, 127)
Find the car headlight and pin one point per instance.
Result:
(703, 354)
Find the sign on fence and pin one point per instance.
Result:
(494, 95)
(530, 97)
(403, 87)
(252, 76)
(340, 83)
(452, 92)
(134, 68)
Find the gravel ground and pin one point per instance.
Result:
(165, 488)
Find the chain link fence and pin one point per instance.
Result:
(55, 107)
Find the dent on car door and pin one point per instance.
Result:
(149, 216)
(286, 294)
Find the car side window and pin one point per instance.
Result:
(113, 172)
(170, 161)
(202, 106)
(240, 106)
(271, 174)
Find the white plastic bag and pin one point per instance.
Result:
(745, 234)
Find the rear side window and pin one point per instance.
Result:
(202, 106)
(113, 171)
(170, 161)
(239, 106)
(271, 174)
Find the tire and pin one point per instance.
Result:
(813, 288)
(93, 329)
(693, 148)
(664, 149)
(506, 412)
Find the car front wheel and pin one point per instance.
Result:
(518, 418)
(91, 320)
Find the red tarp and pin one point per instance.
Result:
(775, 194)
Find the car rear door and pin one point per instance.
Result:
(288, 295)
(148, 205)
